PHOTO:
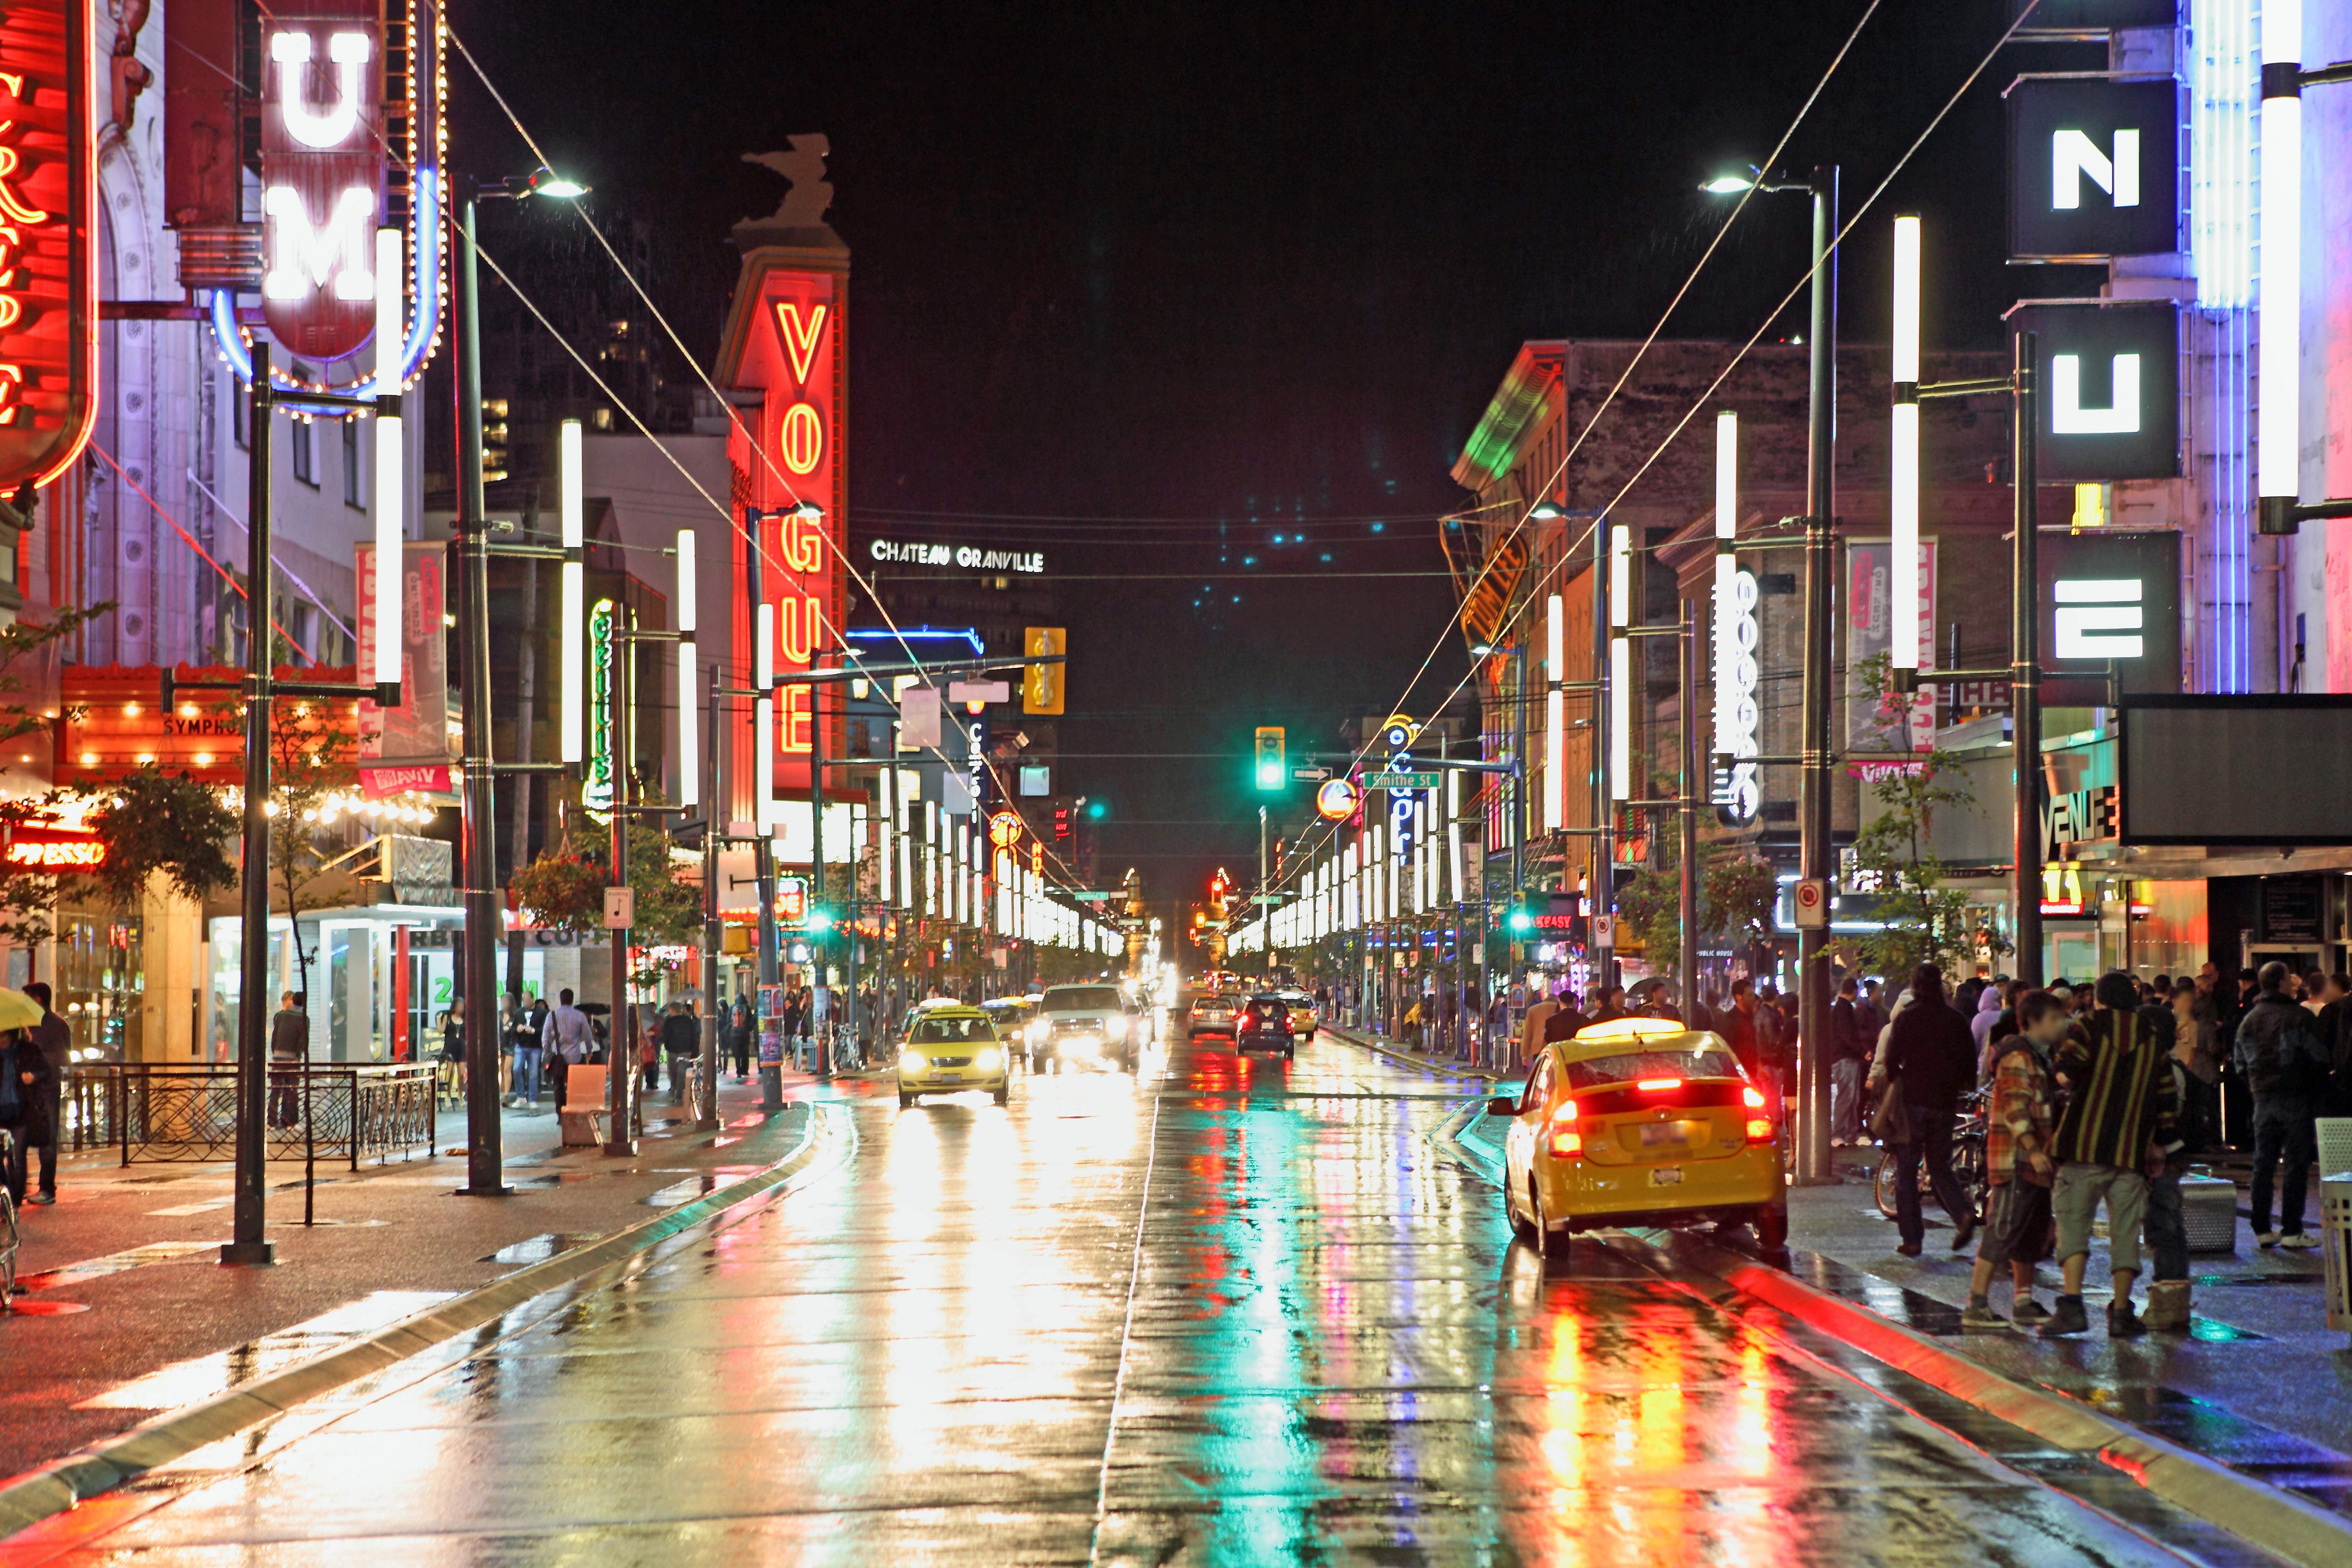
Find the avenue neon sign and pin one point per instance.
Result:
(321, 175)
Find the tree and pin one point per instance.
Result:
(1921, 920)
(310, 760)
(1736, 895)
(28, 899)
(564, 888)
(154, 823)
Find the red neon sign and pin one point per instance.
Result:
(322, 173)
(49, 277)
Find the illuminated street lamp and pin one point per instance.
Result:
(1813, 743)
(485, 1158)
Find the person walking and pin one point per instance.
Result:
(739, 1037)
(2167, 1222)
(566, 1042)
(1990, 1003)
(2284, 1064)
(1931, 1061)
(1532, 1024)
(1737, 1025)
(2017, 1167)
(1846, 1057)
(522, 1040)
(681, 1035)
(2116, 1130)
(53, 1036)
(290, 1052)
(27, 1090)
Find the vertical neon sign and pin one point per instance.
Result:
(48, 282)
(322, 174)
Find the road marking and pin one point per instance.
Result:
(1127, 1328)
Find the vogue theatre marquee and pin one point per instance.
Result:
(968, 557)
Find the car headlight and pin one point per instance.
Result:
(1036, 1031)
(1115, 1030)
(986, 1059)
(912, 1062)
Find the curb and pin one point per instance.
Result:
(1364, 1042)
(2276, 1520)
(62, 1484)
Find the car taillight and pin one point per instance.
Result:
(1567, 1143)
(1760, 1130)
(1754, 1096)
(1659, 1083)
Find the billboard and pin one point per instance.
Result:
(48, 278)
(407, 748)
(322, 173)
(1873, 723)
(2093, 168)
(2109, 382)
(2241, 770)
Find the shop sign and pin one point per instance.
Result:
(1875, 722)
(1491, 589)
(110, 723)
(596, 789)
(1739, 789)
(322, 173)
(969, 557)
(48, 278)
(2113, 598)
(2109, 379)
(1005, 829)
(2093, 168)
(48, 847)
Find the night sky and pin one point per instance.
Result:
(1211, 295)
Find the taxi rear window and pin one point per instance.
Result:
(936, 1030)
(1632, 1066)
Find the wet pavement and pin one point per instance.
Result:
(1227, 1312)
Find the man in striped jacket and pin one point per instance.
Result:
(2114, 1134)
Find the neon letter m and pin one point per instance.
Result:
(304, 258)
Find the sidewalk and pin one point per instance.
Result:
(2261, 1385)
(127, 1311)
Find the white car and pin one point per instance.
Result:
(1083, 1025)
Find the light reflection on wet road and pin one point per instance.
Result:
(1321, 1344)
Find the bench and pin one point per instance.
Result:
(584, 1116)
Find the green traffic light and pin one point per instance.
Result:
(1521, 920)
(1098, 809)
(818, 920)
(1269, 775)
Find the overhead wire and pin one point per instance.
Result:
(1657, 450)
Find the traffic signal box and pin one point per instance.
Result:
(1272, 772)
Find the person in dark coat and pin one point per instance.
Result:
(53, 1037)
(681, 1035)
(1931, 1054)
(738, 1037)
(28, 1087)
(290, 1053)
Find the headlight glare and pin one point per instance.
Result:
(986, 1059)
(912, 1063)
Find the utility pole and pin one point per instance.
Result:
(251, 1243)
(1603, 884)
(714, 801)
(1693, 791)
(621, 1059)
(1813, 784)
(823, 1031)
(2025, 671)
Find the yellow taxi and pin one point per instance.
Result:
(1639, 1121)
(951, 1049)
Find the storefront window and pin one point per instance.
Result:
(101, 983)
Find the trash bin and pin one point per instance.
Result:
(2209, 1213)
(2336, 1247)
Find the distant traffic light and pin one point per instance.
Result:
(1521, 920)
(1041, 684)
(1271, 770)
(494, 439)
(1098, 809)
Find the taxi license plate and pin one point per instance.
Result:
(948, 1077)
(1664, 1134)
(1666, 1176)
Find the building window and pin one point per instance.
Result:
(353, 494)
(297, 439)
(239, 410)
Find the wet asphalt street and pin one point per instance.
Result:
(1223, 1312)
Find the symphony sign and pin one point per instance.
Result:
(48, 281)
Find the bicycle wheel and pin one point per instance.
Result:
(7, 1249)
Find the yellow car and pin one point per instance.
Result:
(949, 1049)
(1639, 1121)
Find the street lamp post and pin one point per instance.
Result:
(1815, 757)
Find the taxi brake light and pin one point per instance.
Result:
(1566, 1143)
(1657, 1083)
(1760, 1130)
(1754, 1096)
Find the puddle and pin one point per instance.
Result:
(22, 1309)
(201, 1377)
(540, 1249)
(114, 1263)
(698, 1186)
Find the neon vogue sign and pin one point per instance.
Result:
(963, 555)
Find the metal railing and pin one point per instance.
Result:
(188, 1113)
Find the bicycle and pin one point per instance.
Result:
(1967, 1158)
(7, 1227)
